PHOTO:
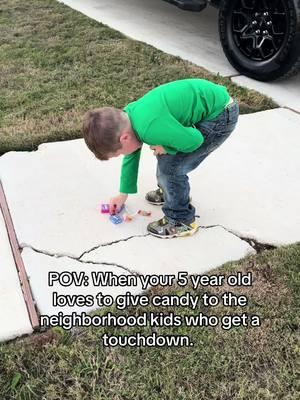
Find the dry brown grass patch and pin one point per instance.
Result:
(266, 286)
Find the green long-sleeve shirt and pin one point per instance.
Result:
(165, 116)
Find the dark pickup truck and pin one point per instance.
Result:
(260, 38)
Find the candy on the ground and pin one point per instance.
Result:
(127, 218)
(144, 213)
(116, 219)
(104, 208)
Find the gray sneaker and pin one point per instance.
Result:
(156, 197)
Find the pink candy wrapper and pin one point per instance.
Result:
(144, 213)
(104, 208)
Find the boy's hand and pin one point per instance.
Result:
(157, 150)
(115, 203)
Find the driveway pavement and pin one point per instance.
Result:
(246, 192)
(192, 36)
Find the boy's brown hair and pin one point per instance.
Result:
(101, 130)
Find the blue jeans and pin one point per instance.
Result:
(172, 170)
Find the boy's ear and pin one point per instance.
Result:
(124, 137)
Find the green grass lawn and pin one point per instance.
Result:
(260, 363)
(55, 64)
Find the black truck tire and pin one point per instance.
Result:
(261, 38)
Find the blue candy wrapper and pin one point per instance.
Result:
(116, 219)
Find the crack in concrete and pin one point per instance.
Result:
(59, 255)
(233, 76)
(291, 109)
(110, 243)
(255, 244)
(46, 253)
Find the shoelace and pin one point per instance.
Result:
(188, 227)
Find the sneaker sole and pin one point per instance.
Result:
(155, 204)
(189, 233)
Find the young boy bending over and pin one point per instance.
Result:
(183, 122)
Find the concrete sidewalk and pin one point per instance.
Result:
(13, 312)
(245, 190)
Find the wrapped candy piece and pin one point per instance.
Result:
(116, 219)
(128, 218)
(144, 213)
(104, 208)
